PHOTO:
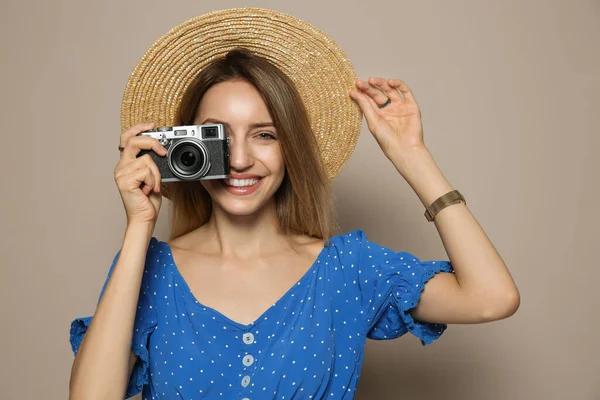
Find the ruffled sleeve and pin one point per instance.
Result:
(391, 285)
(145, 321)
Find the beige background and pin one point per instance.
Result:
(509, 94)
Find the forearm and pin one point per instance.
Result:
(479, 269)
(102, 365)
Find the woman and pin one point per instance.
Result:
(252, 297)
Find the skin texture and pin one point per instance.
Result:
(482, 288)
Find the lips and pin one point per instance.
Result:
(241, 187)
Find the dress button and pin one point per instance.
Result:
(248, 360)
(248, 338)
(245, 381)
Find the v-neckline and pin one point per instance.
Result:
(188, 292)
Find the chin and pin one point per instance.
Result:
(241, 205)
(240, 210)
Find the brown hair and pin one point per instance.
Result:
(303, 201)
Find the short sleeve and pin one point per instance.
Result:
(391, 285)
(145, 322)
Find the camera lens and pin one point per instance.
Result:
(188, 159)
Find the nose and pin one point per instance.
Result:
(240, 154)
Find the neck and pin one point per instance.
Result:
(245, 236)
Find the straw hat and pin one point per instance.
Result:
(318, 67)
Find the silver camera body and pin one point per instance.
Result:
(195, 152)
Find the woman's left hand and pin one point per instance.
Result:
(397, 127)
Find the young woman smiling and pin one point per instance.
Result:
(254, 296)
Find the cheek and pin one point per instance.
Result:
(272, 158)
(210, 185)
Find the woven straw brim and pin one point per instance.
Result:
(318, 67)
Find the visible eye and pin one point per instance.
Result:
(266, 136)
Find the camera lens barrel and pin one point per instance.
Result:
(188, 159)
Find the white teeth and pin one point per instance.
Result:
(240, 182)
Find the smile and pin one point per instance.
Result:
(241, 187)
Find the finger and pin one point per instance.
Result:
(369, 98)
(134, 180)
(155, 173)
(146, 189)
(367, 105)
(145, 180)
(403, 87)
(144, 161)
(138, 143)
(381, 83)
(134, 130)
(378, 96)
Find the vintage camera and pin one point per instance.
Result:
(195, 152)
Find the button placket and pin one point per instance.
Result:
(247, 360)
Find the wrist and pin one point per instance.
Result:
(420, 171)
(140, 229)
(407, 159)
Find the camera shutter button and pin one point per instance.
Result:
(164, 129)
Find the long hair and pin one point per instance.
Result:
(304, 202)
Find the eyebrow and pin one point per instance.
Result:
(252, 126)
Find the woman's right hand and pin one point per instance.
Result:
(142, 204)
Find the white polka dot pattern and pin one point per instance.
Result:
(309, 344)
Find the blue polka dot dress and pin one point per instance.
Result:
(308, 345)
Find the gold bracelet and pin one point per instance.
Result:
(453, 197)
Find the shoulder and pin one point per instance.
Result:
(357, 240)
(186, 240)
(349, 243)
(155, 252)
(350, 238)
(157, 256)
(355, 248)
(346, 248)
(345, 243)
(156, 249)
(307, 246)
(157, 263)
